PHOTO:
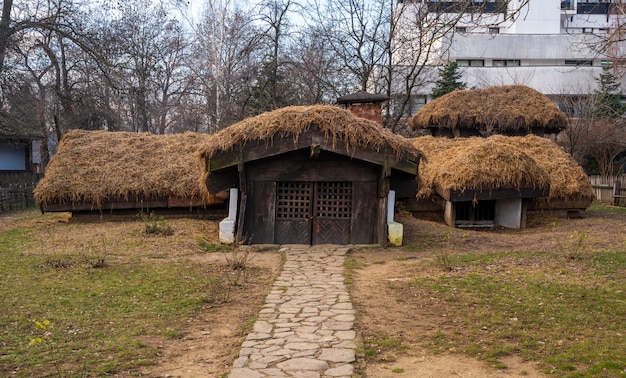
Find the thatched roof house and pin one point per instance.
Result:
(19, 145)
(310, 175)
(100, 170)
(475, 166)
(530, 168)
(569, 184)
(513, 110)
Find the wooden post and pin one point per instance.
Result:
(616, 192)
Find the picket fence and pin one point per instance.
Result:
(610, 190)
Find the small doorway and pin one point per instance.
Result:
(475, 214)
(313, 212)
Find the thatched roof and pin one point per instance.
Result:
(499, 161)
(503, 108)
(96, 166)
(291, 122)
(12, 128)
(476, 164)
(568, 180)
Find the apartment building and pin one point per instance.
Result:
(553, 46)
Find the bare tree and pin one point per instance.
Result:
(227, 46)
(395, 47)
(608, 140)
(315, 69)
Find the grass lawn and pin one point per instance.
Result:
(567, 313)
(555, 295)
(81, 299)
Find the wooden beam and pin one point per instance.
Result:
(243, 184)
(560, 204)
(243, 199)
(383, 181)
(315, 151)
(381, 224)
(252, 151)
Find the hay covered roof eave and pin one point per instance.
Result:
(509, 108)
(95, 167)
(296, 127)
(468, 167)
(551, 167)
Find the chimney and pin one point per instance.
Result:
(364, 105)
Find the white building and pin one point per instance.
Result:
(552, 46)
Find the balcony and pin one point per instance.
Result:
(593, 8)
(468, 6)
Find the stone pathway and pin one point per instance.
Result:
(305, 328)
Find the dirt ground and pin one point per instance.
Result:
(213, 338)
(382, 314)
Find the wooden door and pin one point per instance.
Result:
(332, 213)
(293, 212)
(313, 212)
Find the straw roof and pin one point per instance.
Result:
(96, 166)
(477, 164)
(503, 108)
(568, 180)
(12, 128)
(291, 122)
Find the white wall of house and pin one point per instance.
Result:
(12, 158)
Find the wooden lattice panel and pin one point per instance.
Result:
(293, 200)
(333, 200)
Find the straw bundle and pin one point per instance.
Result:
(333, 122)
(503, 108)
(477, 164)
(96, 166)
(568, 180)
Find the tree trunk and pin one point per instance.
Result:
(5, 30)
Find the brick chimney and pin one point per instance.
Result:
(364, 105)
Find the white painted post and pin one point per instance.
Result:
(391, 205)
(394, 229)
(227, 226)
(232, 203)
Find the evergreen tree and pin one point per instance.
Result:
(608, 97)
(449, 80)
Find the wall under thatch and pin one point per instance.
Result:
(511, 108)
(291, 122)
(92, 167)
(500, 161)
(475, 164)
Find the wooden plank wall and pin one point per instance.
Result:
(603, 188)
(16, 191)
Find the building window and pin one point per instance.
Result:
(461, 29)
(494, 30)
(567, 4)
(414, 105)
(606, 63)
(578, 63)
(470, 62)
(587, 30)
(506, 63)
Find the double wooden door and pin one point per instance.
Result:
(313, 212)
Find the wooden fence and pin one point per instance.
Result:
(610, 190)
(16, 191)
